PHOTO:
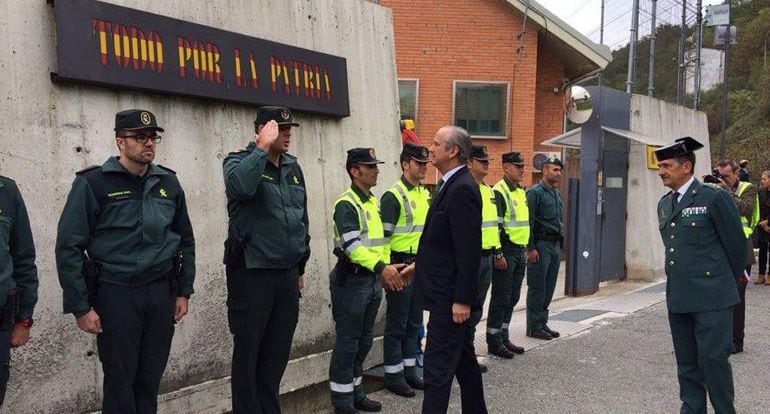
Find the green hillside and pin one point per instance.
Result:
(749, 81)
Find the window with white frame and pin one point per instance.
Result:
(408, 92)
(481, 108)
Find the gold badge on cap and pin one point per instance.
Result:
(424, 152)
(484, 150)
(146, 118)
(371, 153)
(285, 114)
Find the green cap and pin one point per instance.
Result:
(133, 119)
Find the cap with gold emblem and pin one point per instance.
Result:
(279, 114)
(679, 148)
(362, 156)
(553, 161)
(480, 153)
(416, 151)
(133, 119)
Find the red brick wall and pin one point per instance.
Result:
(549, 112)
(440, 41)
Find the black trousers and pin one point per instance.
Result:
(763, 256)
(262, 311)
(5, 362)
(137, 328)
(739, 314)
(449, 353)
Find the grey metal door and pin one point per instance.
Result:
(613, 218)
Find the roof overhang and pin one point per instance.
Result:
(581, 56)
(572, 139)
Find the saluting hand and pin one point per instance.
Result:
(460, 312)
(90, 322)
(180, 309)
(267, 136)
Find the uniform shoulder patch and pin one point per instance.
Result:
(85, 170)
(167, 169)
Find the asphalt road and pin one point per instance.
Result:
(621, 365)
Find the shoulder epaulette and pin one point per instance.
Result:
(237, 152)
(85, 170)
(167, 169)
(666, 195)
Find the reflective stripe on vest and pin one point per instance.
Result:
(516, 219)
(371, 235)
(490, 237)
(748, 227)
(411, 220)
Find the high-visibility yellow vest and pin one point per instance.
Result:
(748, 226)
(516, 219)
(369, 248)
(411, 220)
(490, 237)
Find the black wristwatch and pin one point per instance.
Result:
(498, 255)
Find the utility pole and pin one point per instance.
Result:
(632, 47)
(682, 81)
(601, 37)
(725, 101)
(651, 82)
(698, 47)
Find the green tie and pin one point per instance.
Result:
(674, 200)
(439, 184)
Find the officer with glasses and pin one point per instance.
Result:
(125, 255)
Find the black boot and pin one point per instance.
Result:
(513, 348)
(345, 409)
(416, 383)
(401, 389)
(499, 350)
(539, 334)
(368, 405)
(553, 333)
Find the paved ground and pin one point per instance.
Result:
(617, 357)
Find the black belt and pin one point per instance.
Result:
(401, 257)
(358, 270)
(549, 237)
(486, 252)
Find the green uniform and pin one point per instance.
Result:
(705, 254)
(17, 269)
(404, 208)
(267, 207)
(490, 245)
(545, 220)
(356, 291)
(132, 226)
(513, 216)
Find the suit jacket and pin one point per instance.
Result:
(705, 249)
(447, 263)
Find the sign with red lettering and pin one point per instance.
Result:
(108, 45)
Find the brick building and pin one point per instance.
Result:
(483, 65)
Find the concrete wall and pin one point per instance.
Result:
(664, 122)
(51, 131)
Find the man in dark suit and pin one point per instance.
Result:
(446, 276)
(705, 254)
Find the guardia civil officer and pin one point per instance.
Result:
(543, 248)
(491, 253)
(125, 254)
(18, 276)
(513, 214)
(266, 252)
(705, 255)
(357, 280)
(404, 208)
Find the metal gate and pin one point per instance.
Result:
(614, 188)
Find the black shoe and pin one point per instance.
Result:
(401, 389)
(368, 405)
(514, 348)
(483, 368)
(553, 333)
(539, 334)
(347, 409)
(500, 351)
(416, 383)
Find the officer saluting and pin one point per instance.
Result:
(18, 276)
(356, 281)
(404, 209)
(544, 248)
(705, 255)
(266, 252)
(513, 214)
(125, 225)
